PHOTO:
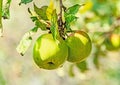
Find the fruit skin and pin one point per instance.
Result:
(48, 53)
(112, 42)
(79, 45)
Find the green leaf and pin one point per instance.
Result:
(6, 13)
(25, 1)
(1, 29)
(67, 25)
(73, 10)
(40, 25)
(96, 57)
(113, 73)
(69, 18)
(70, 71)
(26, 41)
(96, 61)
(34, 18)
(41, 12)
(82, 66)
(54, 25)
(2, 80)
(70, 15)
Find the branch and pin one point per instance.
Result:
(1, 29)
(60, 15)
(60, 21)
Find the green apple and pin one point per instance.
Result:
(49, 53)
(112, 42)
(79, 45)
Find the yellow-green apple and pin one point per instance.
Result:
(79, 45)
(112, 42)
(49, 53)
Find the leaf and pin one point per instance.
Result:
(113, 73)
(96, 61)
(2, 80)
(1, 29)
(41, 12)
(32, 13)
(50, 10)
(73, 10)
(96, 58)
(69, 18)
(82, 66)
(40, 25)
(34, 18)
(54, 25)
(6, 13)
(25, 1)
(70, 71)
(26, 41)
(70, 15)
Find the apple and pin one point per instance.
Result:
(115, 40)
(112, 42)
(49, 53)
(79, 46)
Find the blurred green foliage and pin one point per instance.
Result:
(2, 80)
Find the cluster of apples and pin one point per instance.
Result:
(51, 54)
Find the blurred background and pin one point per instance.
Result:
(102, 67)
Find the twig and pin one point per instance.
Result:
(1, 29)
(60, 21)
